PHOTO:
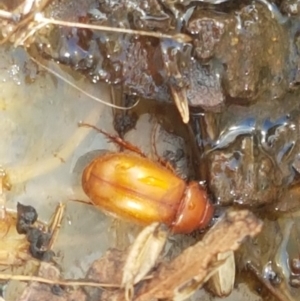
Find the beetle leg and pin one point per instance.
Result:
(161, 161)
(115, 139)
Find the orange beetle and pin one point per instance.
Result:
(140, 190)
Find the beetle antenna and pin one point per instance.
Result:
(153, 139)
(116, 139)
(161, 161)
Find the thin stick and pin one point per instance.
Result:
(59, 282)
(7, 15)
(183, 38)
(55, 224)
(81, 90)
(21, 40)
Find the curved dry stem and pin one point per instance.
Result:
(81, 90)
(22, 39)
(59, 282)
(20, 174)
(181, 38)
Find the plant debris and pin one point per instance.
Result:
(185, 274)
(181, 277)
(13, 246)
(222, 282)
(143, 255)
(17, 248)
(176, 280)
(26, 217)
(38, 236)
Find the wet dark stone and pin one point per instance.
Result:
(251, 153)
(231, 56)
(124, 122)
(39, 241)
(26, 216)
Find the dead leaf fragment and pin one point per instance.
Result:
(13, 246)
(126, 268)
(180, 278)
(143, 255)
(177, 85)
(189, 271)
(222, 282)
